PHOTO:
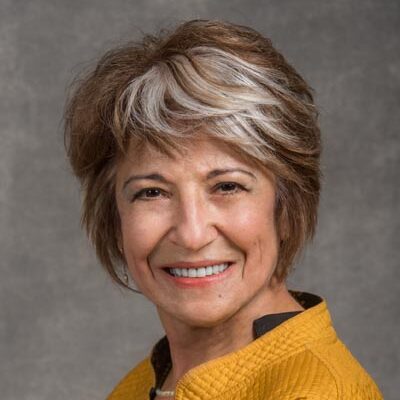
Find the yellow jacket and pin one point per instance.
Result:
(301, 359)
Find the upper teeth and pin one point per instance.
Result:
(199, 272)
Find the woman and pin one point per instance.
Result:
(198, 151)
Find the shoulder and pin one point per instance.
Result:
(135, 384)
(320, 365)
(336, 374)
(323, 372)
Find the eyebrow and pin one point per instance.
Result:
(212, 174)
(217, 172)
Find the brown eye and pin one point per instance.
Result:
(152, 192)
(147, 193)
(230, 187)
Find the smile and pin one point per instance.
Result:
(198, 272)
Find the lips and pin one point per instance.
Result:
(203, 274)
(198, 272)
(196, 264)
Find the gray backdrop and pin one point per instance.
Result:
(66, 332)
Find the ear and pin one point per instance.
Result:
(116, 229)
(120, 243)
(283, 224)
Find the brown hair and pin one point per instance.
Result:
(223, 77)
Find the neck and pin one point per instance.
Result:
(191, 346)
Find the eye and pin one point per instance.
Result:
(148, 194)
(230, 187)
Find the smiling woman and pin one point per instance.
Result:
(198, 151)
(211, 216)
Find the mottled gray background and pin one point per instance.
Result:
(66, 332)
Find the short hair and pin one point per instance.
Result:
(208, 75)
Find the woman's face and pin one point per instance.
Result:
(198, 230)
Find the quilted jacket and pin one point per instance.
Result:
(301, 359)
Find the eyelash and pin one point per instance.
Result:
(238, 188)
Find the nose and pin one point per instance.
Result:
(194, 222)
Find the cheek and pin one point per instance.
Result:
(140, 234)
(253, 222)
(253, 229)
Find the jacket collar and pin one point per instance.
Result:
(161, 357)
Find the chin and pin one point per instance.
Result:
(203, 317)
(206, 322)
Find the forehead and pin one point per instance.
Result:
(197, 150)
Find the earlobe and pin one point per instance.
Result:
(120, 248)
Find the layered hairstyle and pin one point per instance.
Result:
(202, 76)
